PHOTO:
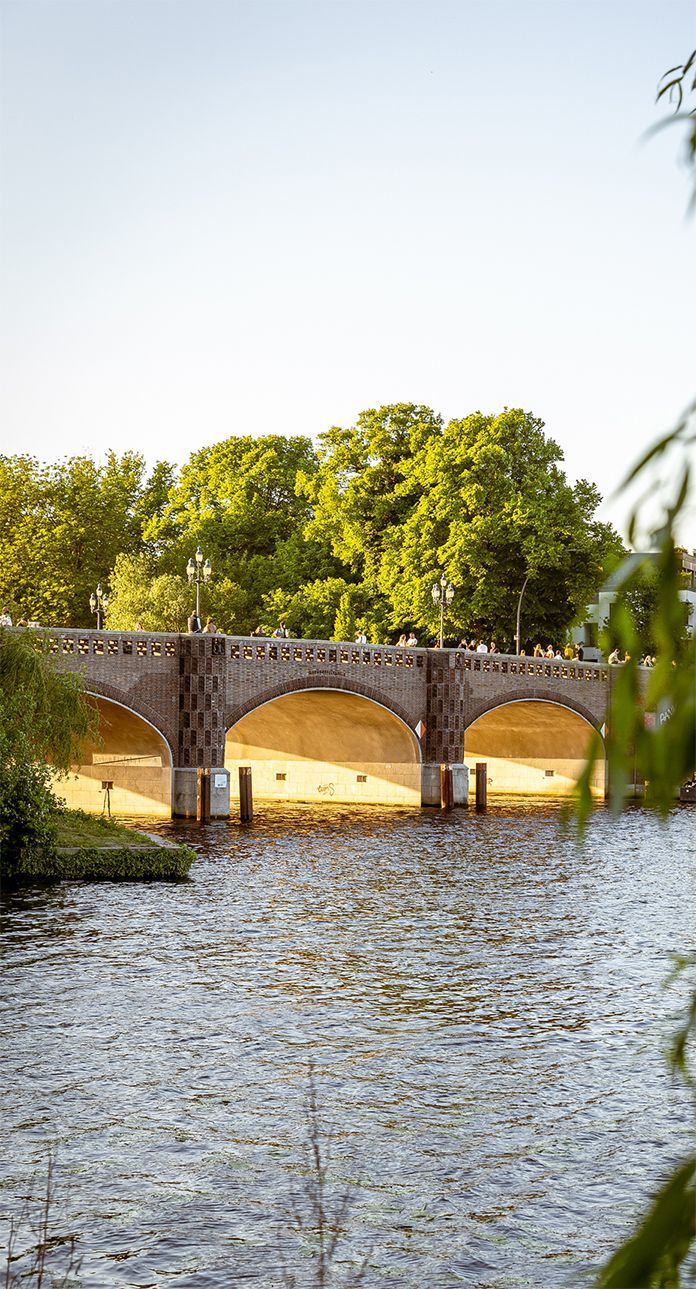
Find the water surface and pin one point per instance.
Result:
(482, 1002)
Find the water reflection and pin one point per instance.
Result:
(481, 999)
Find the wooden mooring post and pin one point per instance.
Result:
(446, 787)
(481, 785)
(246, 800)
(203, 797)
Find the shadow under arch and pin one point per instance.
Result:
(321, 742)
(534, 746)
(131, 754)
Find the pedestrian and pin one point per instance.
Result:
(549, 652)
(361, 638)
(402, 641)
(579, 653)
(210, 629)
(494, 648)
(538, 651)
(281, 631)
(5, 617)
(482, 647)
(568, 652)
(613, 658)
(194, 624)
(412, 640)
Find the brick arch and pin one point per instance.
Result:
(101, 689)
(235, 714)
(533, 695)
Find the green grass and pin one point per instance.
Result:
(75, 828)
(91, 849)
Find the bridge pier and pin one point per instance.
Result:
(430, 784)
(185, 789)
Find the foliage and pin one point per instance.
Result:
(663, 748)
(678, 87)
(311, 612)
(651, 722)
(28, 822)
(143, 600)
(132, 863)
(237, 499)
(62, 526)
(44, 717)
(653, 1255)
(496, 508)
(483, 499)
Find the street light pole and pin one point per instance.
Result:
(443, 594)
(198, 572)
(99, 603)
(519, 606)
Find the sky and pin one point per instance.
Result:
(223, 217)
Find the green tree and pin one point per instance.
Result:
(62, 527)
(364, 490)
(238, 500)
(142, 599)
(484, 499)
(44, 717)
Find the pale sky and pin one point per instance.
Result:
(262, 217)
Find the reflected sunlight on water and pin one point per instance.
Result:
(481, 998)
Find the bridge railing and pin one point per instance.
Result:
(82, 643)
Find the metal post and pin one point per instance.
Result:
(481, 784)
(246, 800)
(198, 597)
(442, 620)
(519, 606)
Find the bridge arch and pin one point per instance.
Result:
(131, 753)
(322, 741)
(533, 744)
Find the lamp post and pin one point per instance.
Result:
(198, 572)
(519, 606)
(99, 603)
(443, 594)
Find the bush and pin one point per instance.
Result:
(28, 819)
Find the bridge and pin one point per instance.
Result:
(320, 720)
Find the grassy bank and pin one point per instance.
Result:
(91, 849)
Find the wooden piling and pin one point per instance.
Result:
(481, 785)
(203, 796)
(246, 799)
(446, 787)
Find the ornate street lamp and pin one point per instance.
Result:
(198, 572)
(99, 603)
(443, 594)
(519, 610)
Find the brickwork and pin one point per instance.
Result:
(194, 688)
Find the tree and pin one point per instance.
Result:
(142, 599)
(62, 527)
(44, 718)
(483, 499)
(238, 500)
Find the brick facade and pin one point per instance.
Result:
(192, 689)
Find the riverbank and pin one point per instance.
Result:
(91, 849)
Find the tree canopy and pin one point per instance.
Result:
(352, 533)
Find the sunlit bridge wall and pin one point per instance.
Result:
(326, 745)
(535, 748)
(133, 756)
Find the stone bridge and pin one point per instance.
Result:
(321, 720)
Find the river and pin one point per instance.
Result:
(480, 998)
